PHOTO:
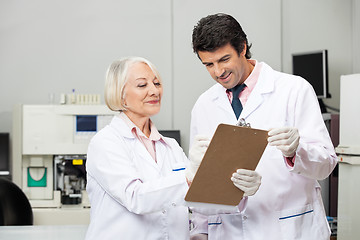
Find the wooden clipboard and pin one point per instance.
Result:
(232, 147)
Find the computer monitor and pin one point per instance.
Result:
(4, 154)
(172, 134)
(313, 66)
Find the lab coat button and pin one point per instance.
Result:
(173, 204)
(244, 217)
(164, 211)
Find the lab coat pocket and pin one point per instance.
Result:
(225, 226)
(297, 223)
(214, 227)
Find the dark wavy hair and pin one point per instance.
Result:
(217, 30)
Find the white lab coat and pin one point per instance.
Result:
(288, 204)
(132, 196)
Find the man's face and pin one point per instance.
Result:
(226, 66)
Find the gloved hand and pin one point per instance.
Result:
(286, 139)
(196, 155)
(247, 181)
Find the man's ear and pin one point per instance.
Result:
(243, 53)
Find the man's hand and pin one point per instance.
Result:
(286, 139)
(247, 181)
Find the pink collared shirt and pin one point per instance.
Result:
(250, 83)
(149, 142)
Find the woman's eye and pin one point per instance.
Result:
(157, 84)
(142, 85)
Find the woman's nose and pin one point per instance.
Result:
(154, 90)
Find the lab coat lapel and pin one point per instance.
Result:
(254, 101)
(139, 149)
(264, 86)
(160, 148)
(143, 154)
(222, 101)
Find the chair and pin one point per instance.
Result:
(15, 208)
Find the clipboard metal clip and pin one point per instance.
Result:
(243, 123)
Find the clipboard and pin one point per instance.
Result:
(232, 147)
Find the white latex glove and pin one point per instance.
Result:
(247, 181)
(196, 155)
(286, 139)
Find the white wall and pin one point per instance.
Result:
(55, 46)
(356, 36)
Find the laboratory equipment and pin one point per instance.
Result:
(82, 99)
(349, 159)
(15, 208)
(70, 178)
(4, 156)
(49, 151)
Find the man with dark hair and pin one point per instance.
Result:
(288, 203)
(228, 30)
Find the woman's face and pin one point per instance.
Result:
(142, 91)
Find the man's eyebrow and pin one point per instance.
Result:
(220, 59)
(225, 56)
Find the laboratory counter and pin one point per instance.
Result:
(44, 232)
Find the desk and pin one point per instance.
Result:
(41, 232)
(66, 215)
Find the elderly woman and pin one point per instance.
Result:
(135, 177)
